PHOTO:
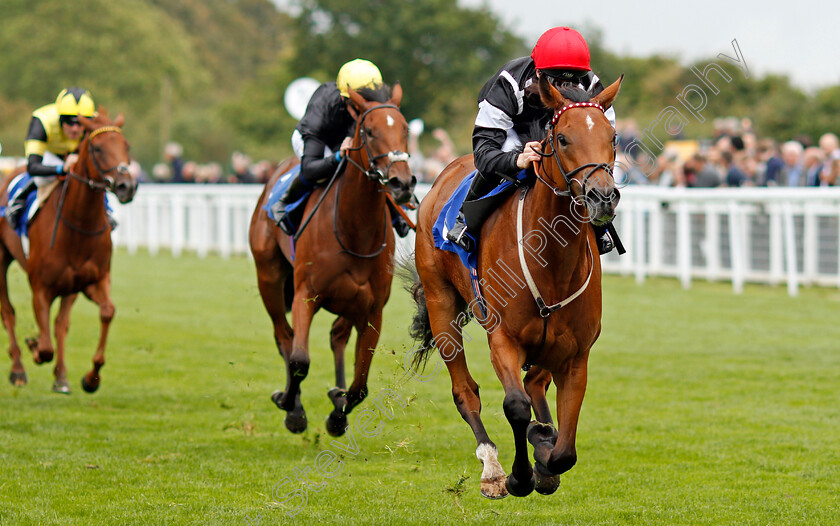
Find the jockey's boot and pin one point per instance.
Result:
(603, 238)
(479, 187)
(15, 208)
(400, 226)
(112, 221)
(293, 193)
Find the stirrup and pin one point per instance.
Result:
(458, 235)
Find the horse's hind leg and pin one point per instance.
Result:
(17, 376)
(441, 302)
(507, 359)
(99, 293)
(541, 434)
(62, 326)
(339, 334)
(368, 337)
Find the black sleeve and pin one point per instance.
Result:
(36, 168)
(36, 131)
(490, 160)
(314, 167)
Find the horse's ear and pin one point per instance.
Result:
(396, 94)
(119, 121)
(356, 104)
(87, 123)
(550, 95)
(606, 97)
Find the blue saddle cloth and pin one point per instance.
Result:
(294, 210)
(449, 213)
(18, 184)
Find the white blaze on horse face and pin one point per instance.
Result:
(589, 122)
(390, 120)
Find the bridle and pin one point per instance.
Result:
(103, 182)
(568, 177)
(374, 173)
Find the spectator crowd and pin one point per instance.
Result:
(735, 156)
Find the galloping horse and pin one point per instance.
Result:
(573, 185)
(341, 261)
(70, 249)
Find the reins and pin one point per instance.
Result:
(97, 186)
(544, 309)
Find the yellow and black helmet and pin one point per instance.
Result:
(357, 74)
(74, 102)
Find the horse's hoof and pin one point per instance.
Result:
(518, 488)
(17, 379)
(296, 418)
(90, 386)
(61, 386)
(296, 423)
(336, 423)
(541, 433)
(43, 357)
(494, 488)
(547, 482)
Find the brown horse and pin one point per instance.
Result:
(342, 260)
(70, 249)
(574, 185)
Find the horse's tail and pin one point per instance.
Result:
(420, 328)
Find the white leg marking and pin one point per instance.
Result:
(488, 456)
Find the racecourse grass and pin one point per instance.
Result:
(703, 407)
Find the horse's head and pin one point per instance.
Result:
(382, 141)
(104, 156)
(581, 142)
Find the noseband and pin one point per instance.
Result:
(107, 183)
(373, 172)
(568, 176)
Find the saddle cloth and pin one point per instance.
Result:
(294, 210)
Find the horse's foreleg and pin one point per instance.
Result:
(507, 359)
(304, 306)
(17, 376)
(571, 386)
(42, 348)
(99, 293)
(62, 326)
(541, 433)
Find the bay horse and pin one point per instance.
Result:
(342, 261)
(70, 249)
(573, 185)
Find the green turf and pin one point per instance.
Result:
(703, 407)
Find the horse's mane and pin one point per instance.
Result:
(380, 94)
(573, 93)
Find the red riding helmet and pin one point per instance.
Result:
(561, 47)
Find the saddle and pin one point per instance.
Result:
(294, 210)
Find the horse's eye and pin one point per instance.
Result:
(97, 149)
(562, 140)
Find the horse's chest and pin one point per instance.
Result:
(76, 278)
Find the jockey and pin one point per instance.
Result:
(324, 134)
(52, 143)
(512, 119)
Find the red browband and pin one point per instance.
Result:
(575, 105)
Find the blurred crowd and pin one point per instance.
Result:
(735, 156)
(175, 169)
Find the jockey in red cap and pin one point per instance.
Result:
(512, 119)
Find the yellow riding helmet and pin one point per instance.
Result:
(356, 74)
(75, 101)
